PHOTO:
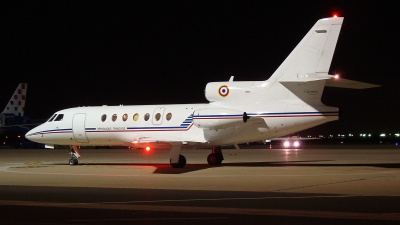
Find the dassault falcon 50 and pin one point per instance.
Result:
(237, 112)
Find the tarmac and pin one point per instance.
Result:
(253, 185)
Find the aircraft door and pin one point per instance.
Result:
(158, 115)
(78, 128)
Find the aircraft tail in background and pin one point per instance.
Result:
(16, 105)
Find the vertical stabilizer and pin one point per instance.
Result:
(314, 52)
(16, 105)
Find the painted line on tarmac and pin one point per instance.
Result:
(215, 210)
(151, 219)
(7, 169)
(230, 199)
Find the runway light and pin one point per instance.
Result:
(296, 144)
(135, 142)
(148, 148)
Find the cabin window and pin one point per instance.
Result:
(103, 117)
(51, 118)
(146, 116)
(135, 117)
(125, 117)
(157, 117)
(114, 117)
(168, 116)
(59, 117)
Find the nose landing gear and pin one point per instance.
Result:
(73, 161)
(74, 155)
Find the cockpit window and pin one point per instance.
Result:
(59, 117)
(52, 117)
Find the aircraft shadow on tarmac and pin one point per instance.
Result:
(166, 168)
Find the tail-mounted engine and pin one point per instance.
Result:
(218, 118)
(235, 92)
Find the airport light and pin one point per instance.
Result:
(369, 135)
(383, 135)
(397, 135)
(286, 144)
(148, 148)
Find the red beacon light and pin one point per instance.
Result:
(336, 76)
(148, 148)
(335, 16)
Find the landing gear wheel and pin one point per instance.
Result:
(73, 161)
(180, 164)
(214, 159)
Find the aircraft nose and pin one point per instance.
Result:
(32, 134)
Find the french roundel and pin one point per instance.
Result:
(223, 91)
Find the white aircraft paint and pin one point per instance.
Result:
(238, 112)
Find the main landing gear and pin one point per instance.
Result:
(181, 163)
(216, 157)
(176, 159)
(74, 155)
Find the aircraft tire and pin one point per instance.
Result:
(213, 159)
(73, 161)
(180, 164)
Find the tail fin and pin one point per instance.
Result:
(16, 105)
(314, 52)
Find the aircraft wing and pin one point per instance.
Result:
(161, 140)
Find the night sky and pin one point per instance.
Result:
(81, 53)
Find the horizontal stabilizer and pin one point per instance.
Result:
(331, 81)
(344, 83)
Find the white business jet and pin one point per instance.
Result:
(238, 112)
